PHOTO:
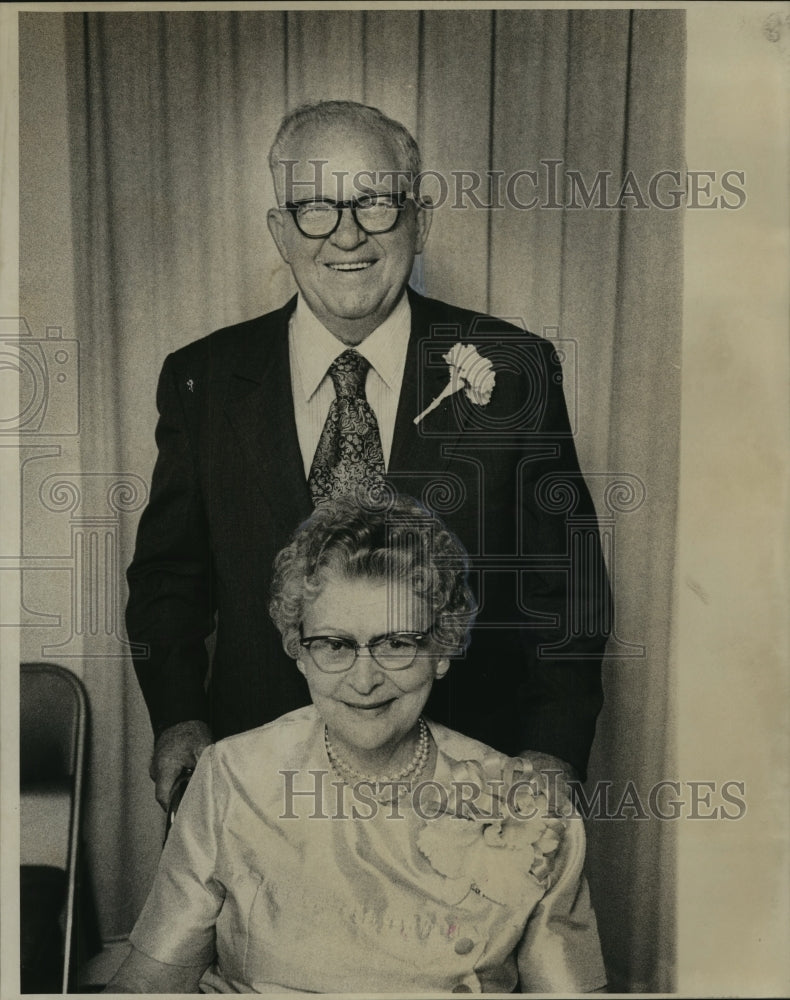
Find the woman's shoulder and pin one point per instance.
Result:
(455, 744)
(464, 753)
(288, 739)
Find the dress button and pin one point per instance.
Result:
(463, 946)
(462, 988)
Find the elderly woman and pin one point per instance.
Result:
(354, 846)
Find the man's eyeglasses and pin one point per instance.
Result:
(335, 654)
(374, 214)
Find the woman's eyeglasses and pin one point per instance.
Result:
(375, 214)
(334, 654)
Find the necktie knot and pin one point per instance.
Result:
(348, 373)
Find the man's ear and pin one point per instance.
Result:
(423, 220)
(276, 224)
(442, 666)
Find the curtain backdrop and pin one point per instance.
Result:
(170, 116)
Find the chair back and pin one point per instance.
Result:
(52, 712)
(52, 734)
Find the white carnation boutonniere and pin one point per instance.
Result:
(469, 371)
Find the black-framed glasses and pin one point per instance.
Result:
(374, 214)
(334, 654)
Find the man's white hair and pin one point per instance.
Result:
(348, 114)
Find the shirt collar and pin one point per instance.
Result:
(314, 348)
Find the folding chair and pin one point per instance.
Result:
(53, 722)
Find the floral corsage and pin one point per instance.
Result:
(493, 829)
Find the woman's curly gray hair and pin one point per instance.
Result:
(401, 541)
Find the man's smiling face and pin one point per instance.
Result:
(351, 280)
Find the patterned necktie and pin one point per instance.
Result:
(348, 459)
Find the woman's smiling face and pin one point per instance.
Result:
(369, 711)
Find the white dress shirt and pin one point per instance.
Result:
(312, 349)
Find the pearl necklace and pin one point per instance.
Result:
(413, 770)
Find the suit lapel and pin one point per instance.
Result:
(260, 408)
(423, 449)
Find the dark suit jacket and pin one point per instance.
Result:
(228, 490)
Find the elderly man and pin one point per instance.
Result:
(264, 420)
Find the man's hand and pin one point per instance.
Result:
(178, 747)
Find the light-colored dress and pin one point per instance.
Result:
(285, 879)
